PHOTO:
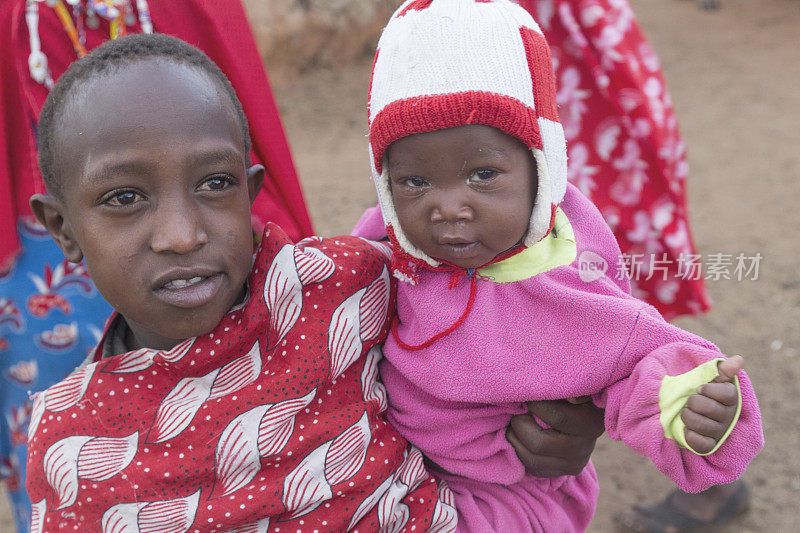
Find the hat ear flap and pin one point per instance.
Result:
(541, 215)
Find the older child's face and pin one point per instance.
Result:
(156, 197)
(463, 195)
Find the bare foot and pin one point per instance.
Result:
(682, 512)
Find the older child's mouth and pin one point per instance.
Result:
(181, 283)
(190, 292)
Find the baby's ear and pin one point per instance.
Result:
(49, 211)
(255, 177)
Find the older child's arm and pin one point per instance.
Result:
(565, 446)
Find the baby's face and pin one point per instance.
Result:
(463, 195)
(157, 195)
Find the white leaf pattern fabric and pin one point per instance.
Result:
(238, 459)
(102, 457)
(122, 518)
(344, 340)
(179, 407)
(278, 423)
(382, 247)
(314, 240)
(412, 472)
(165, 516)
(134, 361)
(143, 358)
(305, 488)
(178, 351)
(373, 307)
(292, 268)
(182, 403)
(237, 374)
(39, 401)
(372, 389)
(445, 516)
(358, 319)
(347, 452)
(332, 463)
(67, 393)
(370, 501)
(61, 469)
(37, 516)
(261, 431)
(392, 512)
(283, 293)
(313, 266)
(86, 457)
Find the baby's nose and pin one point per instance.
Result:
(452, 208)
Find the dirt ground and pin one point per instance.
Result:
(733, 73)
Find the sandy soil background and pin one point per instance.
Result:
(734, 75)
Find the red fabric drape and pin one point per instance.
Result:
(625, 150)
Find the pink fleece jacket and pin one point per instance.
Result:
(546, 337)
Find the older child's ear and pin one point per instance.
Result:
(49, 211)
(255, 177)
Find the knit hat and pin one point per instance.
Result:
(447, 63)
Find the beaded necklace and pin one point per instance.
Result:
(119, 13)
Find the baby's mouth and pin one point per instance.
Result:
(183, 283)
(458, 249)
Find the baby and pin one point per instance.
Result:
(469, 161)
(230, 391)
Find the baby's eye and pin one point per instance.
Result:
(414, 182)
(124, 198)
(482, 175)
(215, 183)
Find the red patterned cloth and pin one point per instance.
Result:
(219, 28)
(625, 150)
(274, 417)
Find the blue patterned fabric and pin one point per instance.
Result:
(51, 315)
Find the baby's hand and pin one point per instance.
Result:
(708, 413)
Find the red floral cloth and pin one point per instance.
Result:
(219, 28)
(274, 417)
(625, 150)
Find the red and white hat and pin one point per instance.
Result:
(447, 63)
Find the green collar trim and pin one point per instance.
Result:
(556, 249)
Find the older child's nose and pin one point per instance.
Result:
(178, 229)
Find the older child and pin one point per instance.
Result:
(512, 290)
(230, 391)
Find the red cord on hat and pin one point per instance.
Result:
(472, 290)
(455, 276)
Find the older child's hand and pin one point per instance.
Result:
(708, 413)
(564, 448)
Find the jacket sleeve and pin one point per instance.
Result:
(370, 225)
(663, 366)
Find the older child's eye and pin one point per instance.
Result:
(482, 175)
(216, 183)
(123, 198)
